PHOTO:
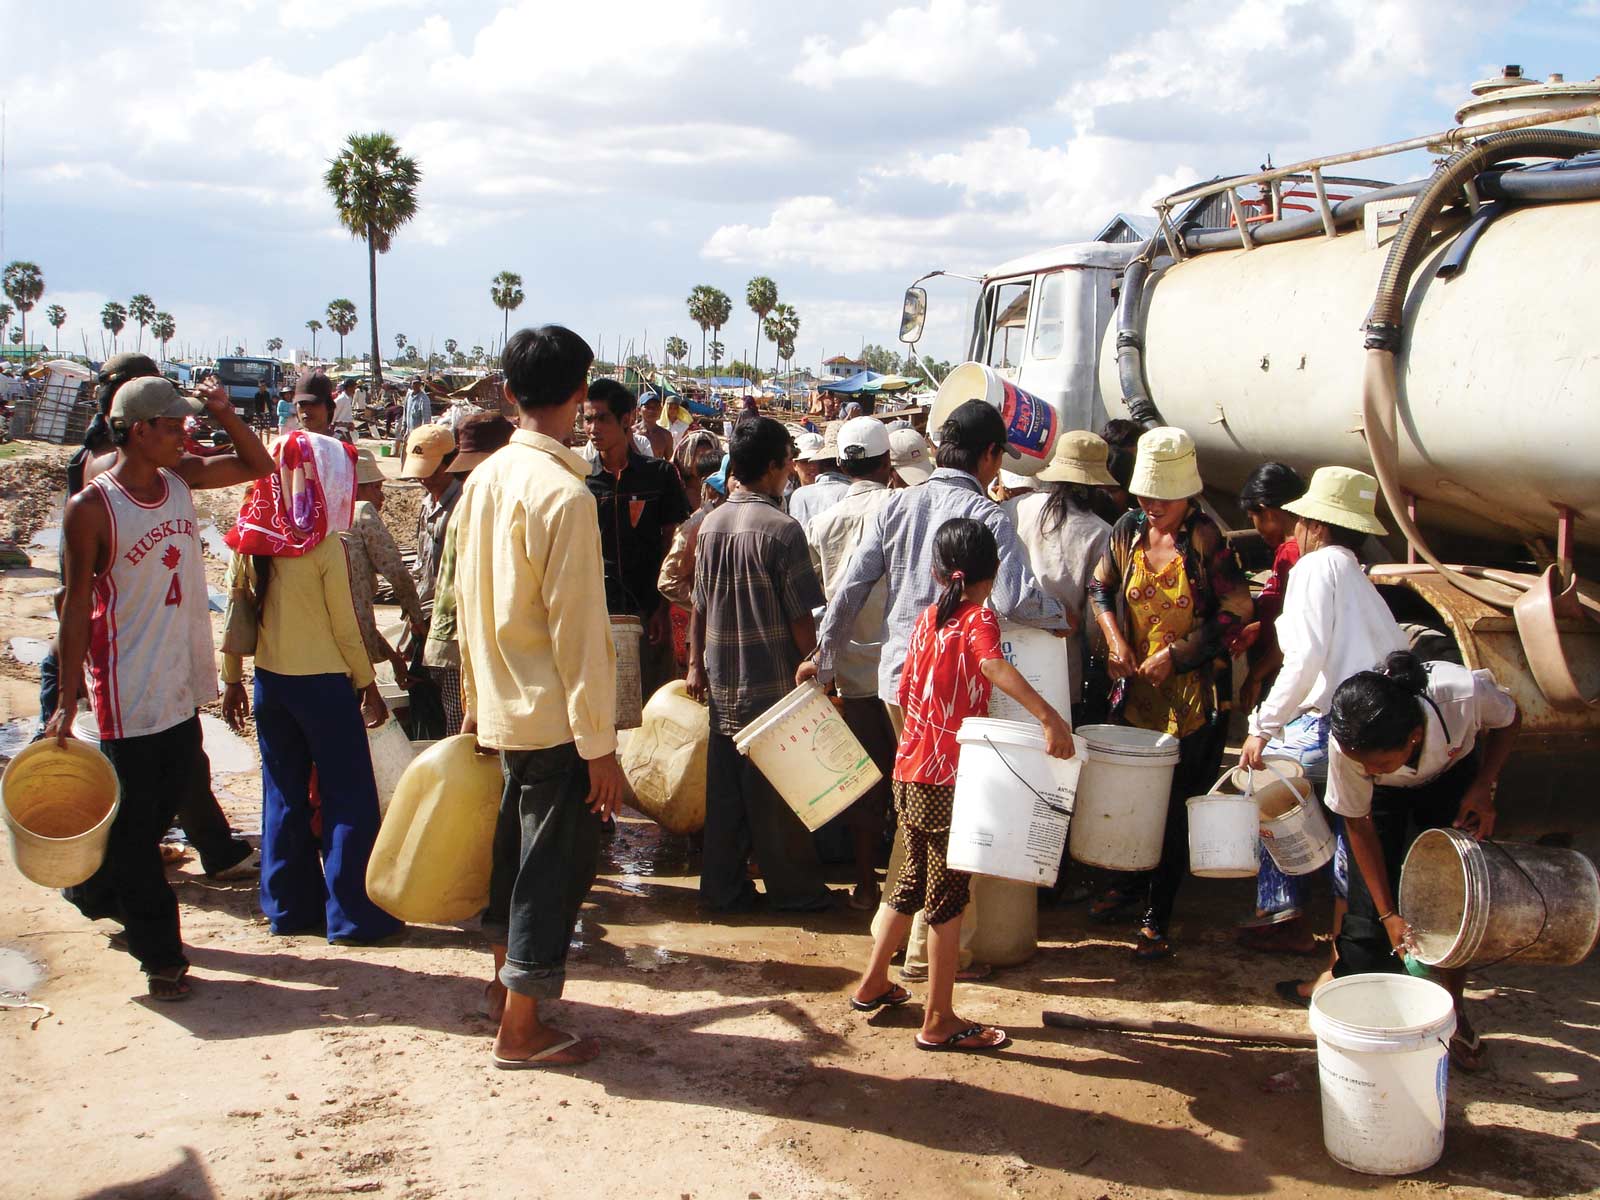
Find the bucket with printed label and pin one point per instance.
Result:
(807, 752)
(1032, 423)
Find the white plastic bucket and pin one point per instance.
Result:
(806, 751)
(1222, 836)
(1235, 781)
(1041, 658)
(1293, 829)
(1032, 424)
(1013, 802)
(626, 633)
(1120, 814)
(1383, 1058)
(392, 753)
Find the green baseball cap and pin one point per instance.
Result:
(148, 398)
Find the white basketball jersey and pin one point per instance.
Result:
(150, 657)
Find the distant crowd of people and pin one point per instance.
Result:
(754, 558)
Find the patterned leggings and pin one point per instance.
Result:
(925, 881)
(449, 681)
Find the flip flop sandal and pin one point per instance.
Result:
(168, 986)
(1110, 906)
(1467, 1053)
(1150, 949)
(893, 998)
(952, 1044)
(541, 1059)
(1289, 992)
(1268, 920)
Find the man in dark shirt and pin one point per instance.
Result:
(641, 503)
(754, 594)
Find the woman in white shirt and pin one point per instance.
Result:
(1333, 624)
(1415, 746)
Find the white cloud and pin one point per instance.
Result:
(948, 42)
(319, 16)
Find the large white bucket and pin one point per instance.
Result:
(1013, 802)
(1382, 1054)
(1120, 814)
(626, 633)
(806, 751)
(1222, 836)
(1293, 829)
(1041, 658)
(1031, 423)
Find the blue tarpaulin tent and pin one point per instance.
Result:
(865, 382)
(729, 381)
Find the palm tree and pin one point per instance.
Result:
(716, 353)
(24, 283)
(676, 348)
(782, 327)
(374, 189)
(141, 310)
(313, 325)
(113, 317)
(399, 344)
(720, 312)
(57, 316)
(162, 328)
(450, 347)
(274, 345)
(6, 313)
(700, 305)
(761, 294)
(505, 289)
(477, 354)
(341, 319)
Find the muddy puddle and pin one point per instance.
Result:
(19, 974)
(30, 652)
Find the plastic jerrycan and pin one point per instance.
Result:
(435, 848)
(665, 760)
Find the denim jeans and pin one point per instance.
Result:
(1305, 739)
(542, 874)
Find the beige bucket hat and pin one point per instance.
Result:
(1166, 467)
(367, 468)
(1341, 496)
(1079, 457)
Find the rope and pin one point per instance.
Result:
(1040, 796)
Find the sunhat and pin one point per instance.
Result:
(367, 468)
(1340, 496)
(806, 446)
(1079, 457)
(1165, 467)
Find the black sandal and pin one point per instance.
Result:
(1110, 905)
(1289, 992)
(893, 998)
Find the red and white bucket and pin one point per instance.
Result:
(1032, 423)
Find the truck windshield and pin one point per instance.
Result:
(1009, 304)
(239, 371)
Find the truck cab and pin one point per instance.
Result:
(1038, 321)
(241, 376)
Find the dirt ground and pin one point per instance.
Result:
(732, 1066)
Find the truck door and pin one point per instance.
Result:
(1006, 303)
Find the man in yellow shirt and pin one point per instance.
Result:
(539, 684)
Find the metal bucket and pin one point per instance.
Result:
(1293, 829)
(626, 634)
(1471, 903)
(59, 804)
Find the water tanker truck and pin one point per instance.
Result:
(1440, 334)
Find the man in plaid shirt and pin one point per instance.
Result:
(754, 593)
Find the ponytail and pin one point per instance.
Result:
(1376, 711)
(964, 551)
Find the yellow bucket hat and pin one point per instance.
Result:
(1166, 467)
(1341, 496)
(1079, 457)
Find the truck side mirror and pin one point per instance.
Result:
(912, 315)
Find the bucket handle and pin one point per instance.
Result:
(1544, 904)
(1062, 809)
(1250, 780)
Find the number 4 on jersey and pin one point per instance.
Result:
(174, 592)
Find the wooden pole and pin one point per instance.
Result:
(1245, 1034)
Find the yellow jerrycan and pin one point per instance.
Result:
(435, 847)
(665, 760)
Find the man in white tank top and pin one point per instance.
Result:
(136, 618)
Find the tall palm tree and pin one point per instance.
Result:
(141, 311)
(477, 354)
(24, 283)
(274, 345)
(450, 347)
(313, 325)
(374, 189)
(505, 289)
(399, 344)
(341, 319)
(676, 348)
(113, 317)
(760, 294)
(721, 312)
(782, 327)
(700, 304)
(716, 353)
(162, 328)
(6, 313)
(57, 316)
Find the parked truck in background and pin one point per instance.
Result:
(242, 376)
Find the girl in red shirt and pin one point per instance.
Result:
(953, 661)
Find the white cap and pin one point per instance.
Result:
(862, 437)
(1016, 483)
(806, 446)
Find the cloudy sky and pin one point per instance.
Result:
(618, 152)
